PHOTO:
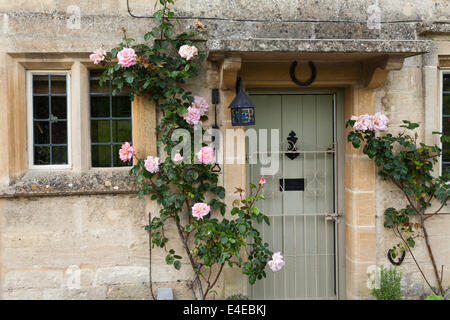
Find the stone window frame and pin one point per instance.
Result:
(79, 102)
(30, 133)
(17, 179)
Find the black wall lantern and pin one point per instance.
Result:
(242, 108)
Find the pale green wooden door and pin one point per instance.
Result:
(303, 225)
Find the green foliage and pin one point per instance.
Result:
(389, 285)
(160, 73)
(435, 297)
(408, 164)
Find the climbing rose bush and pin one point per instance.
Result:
(189, 196)
(408, 165)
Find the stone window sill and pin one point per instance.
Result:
(67, 183)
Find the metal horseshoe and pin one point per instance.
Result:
(400, 258)
(303, 83)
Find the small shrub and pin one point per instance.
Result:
(237, 296)
(389, 286)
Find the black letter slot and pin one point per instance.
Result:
(292, 184)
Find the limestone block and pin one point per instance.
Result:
(360, 208)
(33, 294)
(27, 279)
(89, 293)
(361, 244)
(357, 279)
(120, 275)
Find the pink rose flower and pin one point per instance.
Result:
(187, 52)
(97, 56)
(205, 155)
(127, 57)
(262, 180)
(199, 210)
(201, 104)
(152, 164)
(380, 122)
(277, 262)
(192, 116)
(363, 123)
(126, 152)
(178, 157)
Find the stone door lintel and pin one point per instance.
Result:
(368, 71)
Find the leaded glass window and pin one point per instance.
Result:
(446, 122)
(49, 100)
(111, 123)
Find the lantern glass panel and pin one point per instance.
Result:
(247, 116)
(235, 116)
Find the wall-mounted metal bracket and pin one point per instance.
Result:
(333, 217)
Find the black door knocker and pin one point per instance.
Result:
(307, 82)
(292, 149)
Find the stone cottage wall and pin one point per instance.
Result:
(92, 245)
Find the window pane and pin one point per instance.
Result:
(59, 108)
(446, 125)
(100, 131)
(446, 145)
(96, 73)
(40, 84)
(59, 155)
(96, 88)
(446, 151)
(101, 156)
(58, 85)
(446, 168)
(41, 132)
(40, 107)
(108, 131)
(121, 130)
(41, 155)
(446, 104)
(100, 107)
(121, 107)
(59, 132)
(446, 84)
(50, 119)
